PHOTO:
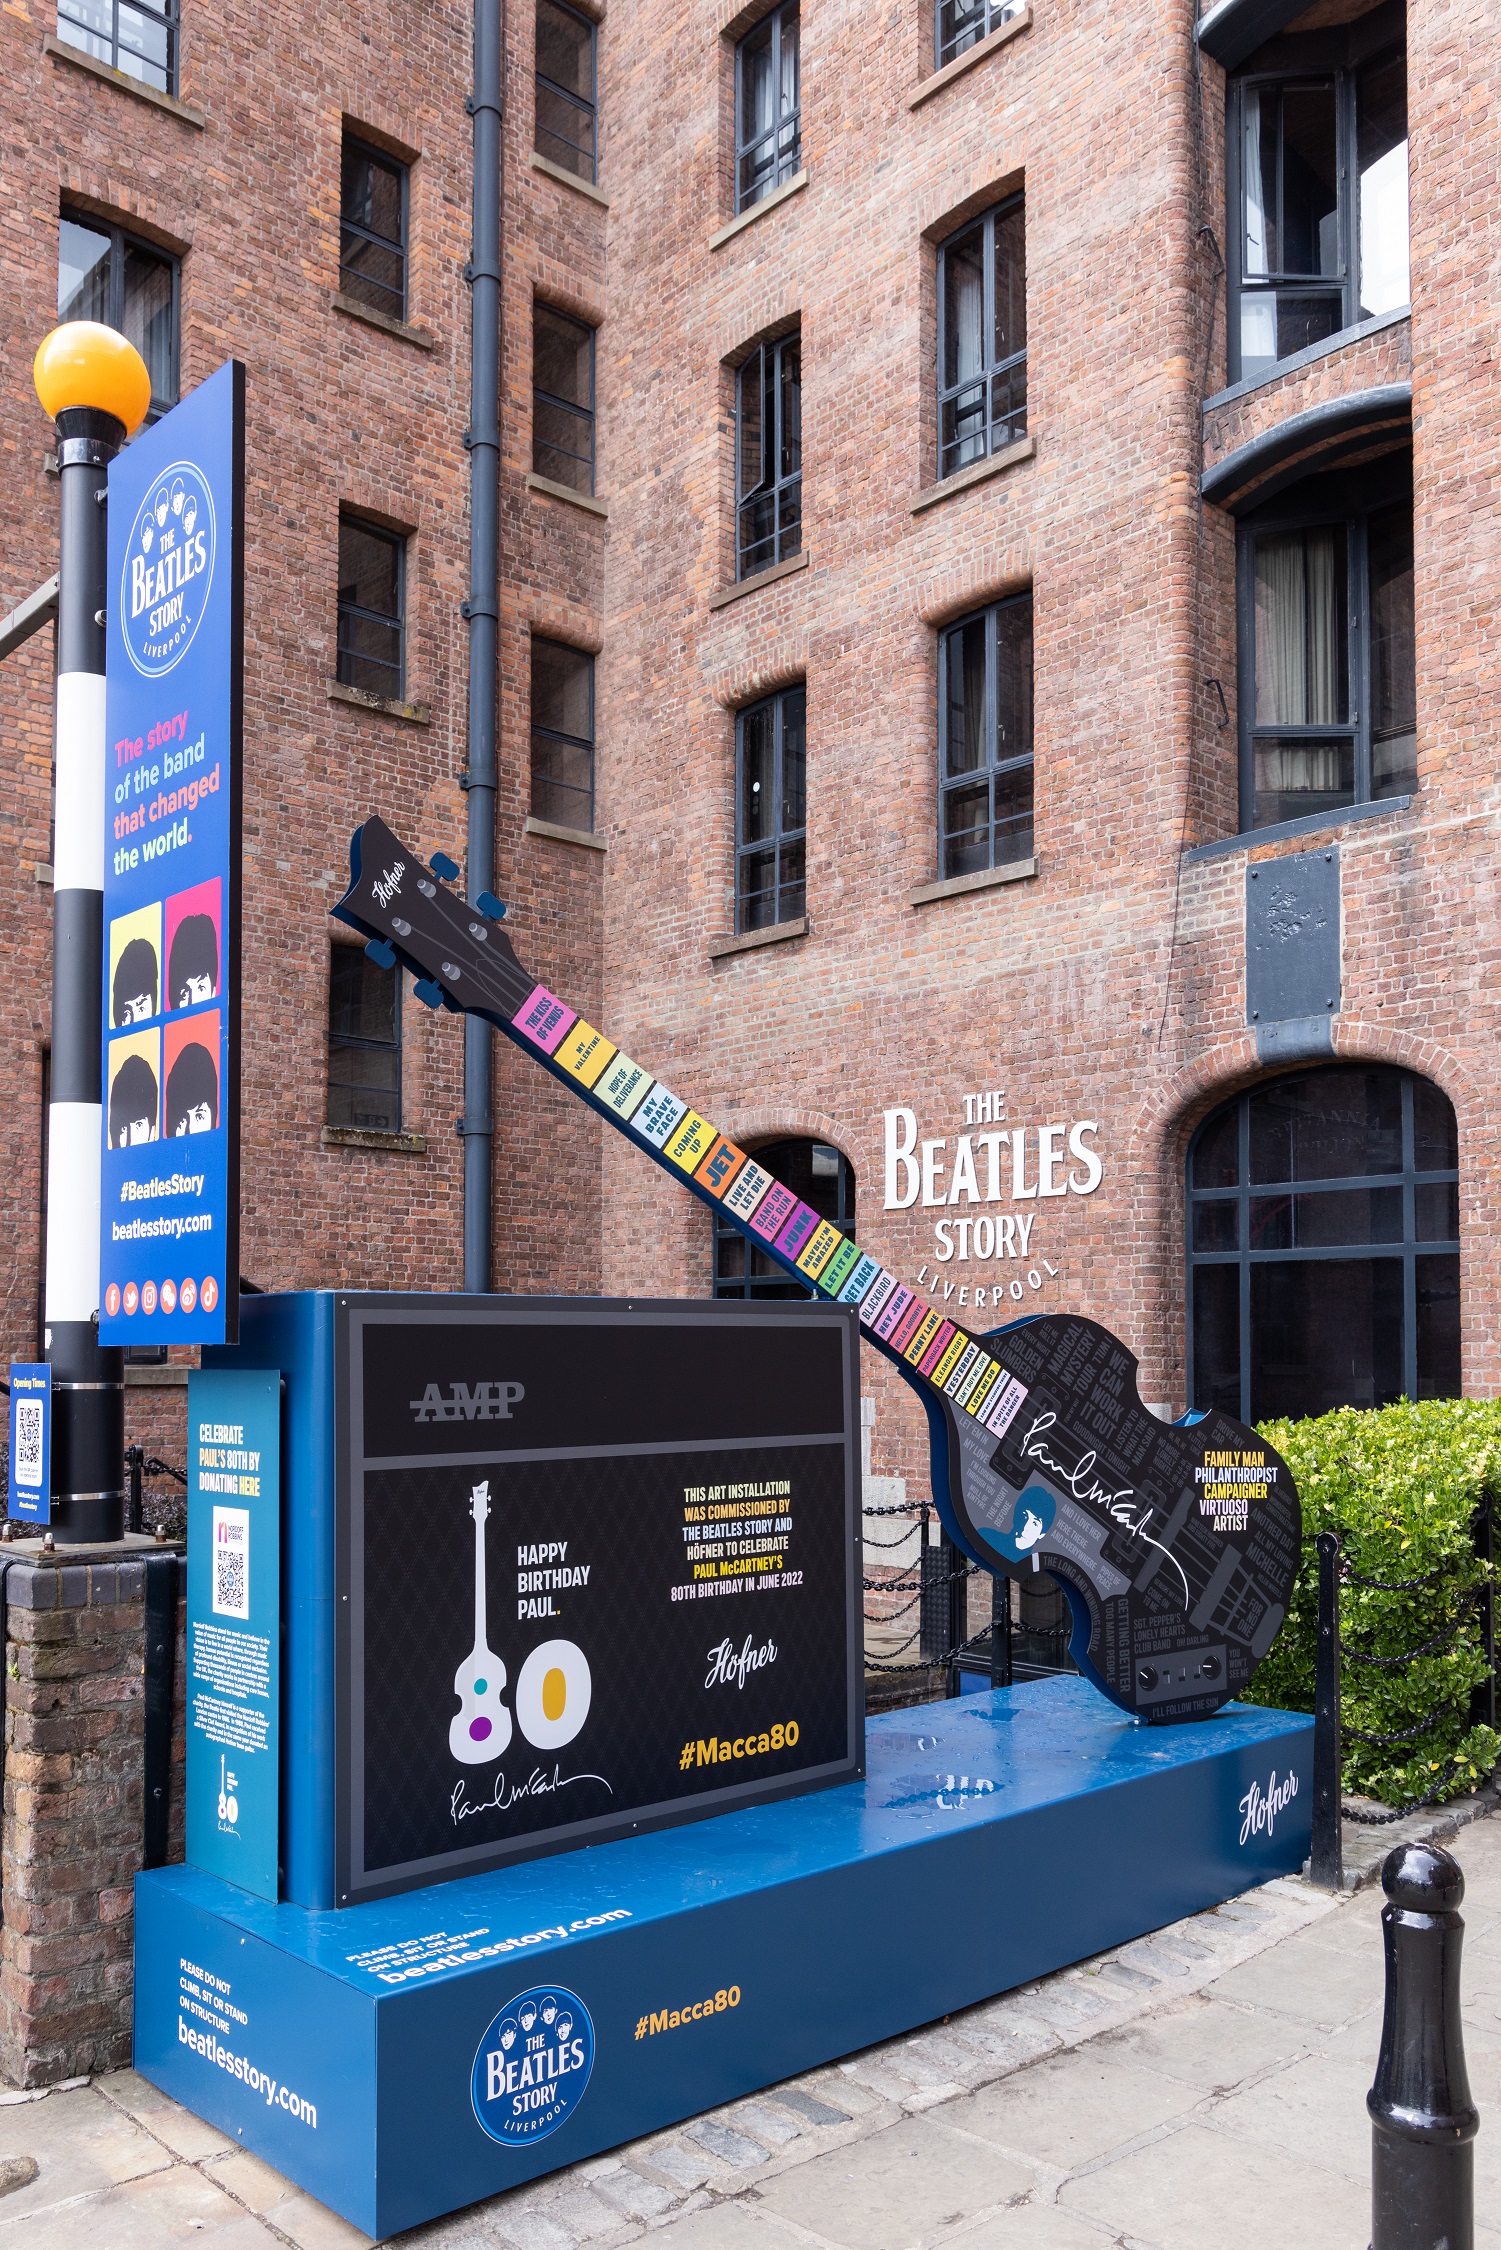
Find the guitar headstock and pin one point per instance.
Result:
(479, 1502)
(458, 952)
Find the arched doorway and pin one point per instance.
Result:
(824, 1178)
(1323, 1245)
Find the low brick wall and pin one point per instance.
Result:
(74, 1810)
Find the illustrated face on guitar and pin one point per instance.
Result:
(481, 1728)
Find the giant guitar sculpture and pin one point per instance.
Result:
(1176, 1544)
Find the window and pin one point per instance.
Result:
(1319, 178)
(1323, 1246)
(103, 274)
(1328, 682)
(372, 590)
(130, 35)
(982, 337)
(562, 399)
(364, 1042)
(985, 739)
(768, 128)
(566, 119)
(825, 1179)
(373, 230)
(962, 24)
(769, 456)
(770, 815)
(562, 735)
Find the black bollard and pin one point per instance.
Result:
(1423, 2122)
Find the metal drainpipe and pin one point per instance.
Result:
(482, 609)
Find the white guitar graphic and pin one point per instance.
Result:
(481, 1728)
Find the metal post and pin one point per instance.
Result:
(482, 609)
(88, 1382)
(160, 1678)
(134, 1461)
(958, 1609)
(1326, 1861)
(1000, 1630)
(1423, 2122)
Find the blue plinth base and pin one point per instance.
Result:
(388, 2057)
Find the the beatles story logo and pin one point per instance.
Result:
(169, 569)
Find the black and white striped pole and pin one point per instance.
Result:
(95, 386)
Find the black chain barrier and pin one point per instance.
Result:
(1330, 1806)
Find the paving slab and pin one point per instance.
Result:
(1072, 2109)
(902, 2187)
(1197, 2189)
(81, 2144)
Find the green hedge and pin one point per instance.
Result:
(1402, 1486)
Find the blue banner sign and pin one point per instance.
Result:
(169, 1216)
(31, 1440)
(234, 1626)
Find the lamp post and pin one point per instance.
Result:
(95, 386)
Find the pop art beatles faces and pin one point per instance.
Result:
(192, 1067)
(195, 949)
(165, 1082)
(134, 1096)
(135, 972)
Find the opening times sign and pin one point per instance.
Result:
(169, 1208)
(598, 1571)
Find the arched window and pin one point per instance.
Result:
(1323, 1232)
(824, 1179)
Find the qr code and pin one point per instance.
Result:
(231, 1549)
(29, 1441)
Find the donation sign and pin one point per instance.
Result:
(169, 1209)
(234, 1626)
(597, 1569)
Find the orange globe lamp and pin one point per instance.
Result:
(86, 364)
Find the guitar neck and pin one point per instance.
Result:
(468, 963)
(481, 1629)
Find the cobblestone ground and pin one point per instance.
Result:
(1200, 2089)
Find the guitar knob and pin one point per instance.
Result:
(491, 907)
(383, 955)
(429, 992)
(1146, 1676)
(442, 865)
(1210, 1668)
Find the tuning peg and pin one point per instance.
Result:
(442, 865)
(383, 955)
(429, 992)
(493, 908)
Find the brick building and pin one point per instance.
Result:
(998, 561)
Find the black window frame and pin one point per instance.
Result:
(1014, 423)
(1341, 61)
(398, 541)
(974, 22)
(557, 734)
(106, 49)
(951, 784)
(1408, 1178)
(759, 1277)
(589, 109)
(785, 163)
(354, 144)
(345, 1042)
(780, 839)
(1349, 502)
(763, 367)
(588, 415)
(120, 240)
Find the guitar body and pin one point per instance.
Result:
(1176, 1544)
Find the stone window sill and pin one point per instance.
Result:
(988, 879)
(962, 63)
(752, 940)
(761, 578)
(584, 837)
(963, 480)
(148, 1378)
(568, 179)
(76, 59)
(354, 310)
(415, 714)
(744, 219)
(1313, 824)
(584, 500)
(356, 1136)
